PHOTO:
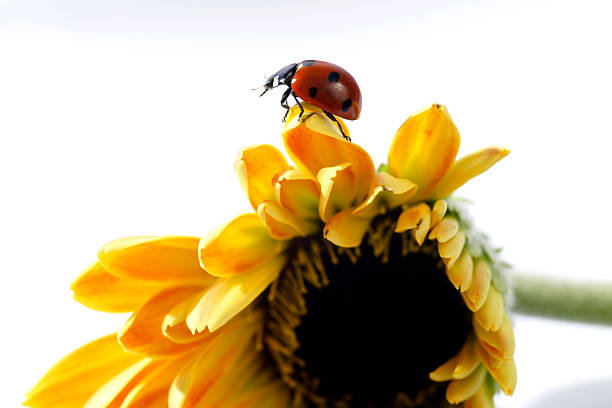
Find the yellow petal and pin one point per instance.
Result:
(237, 247)
(445, 230)
(274, 395)
(506, 376)
(445, 371)
(346, 230)
(313, 148)
(143, 334)
(498, 343)
(467, 360)
(467, 168)
(460, 273)
(397, 191)
(282, 224)
(100, 290)
(257, 168)
(503, 371)
(174, 326)
(152, 391)
(246, 369)
(390, 193)
(166, 259)
(459, 366)
(476, 295)
(198, 376)
(490, 361)
(113, 393)
(451, 249)
(417, 218)
(424, 148)
(339, 188)
(227, 297)
(298, 193)
(482, 399)
(460, 390)
(491, 314)
(374, 204)
(438, 211)
(73, 379)
(317, 121)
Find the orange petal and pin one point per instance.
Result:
(166, 259)
(282, 224)
(416, 218)
(476, 295)
(424, 148)
(100, 290)
(460, 390)
(346, 230)
(257, 168)
(499, 343)
(313, 147)
(390, 193)
(237, 247)
(298, 193)
(467, 168)
(491, 314)
(229, 296)
(143, 334)
(339, 186)
(73, 379)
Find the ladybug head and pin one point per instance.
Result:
(281, 77)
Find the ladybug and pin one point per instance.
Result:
(321, 84)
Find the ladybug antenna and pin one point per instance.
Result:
(259, 87)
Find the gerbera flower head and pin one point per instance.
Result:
(344, 287)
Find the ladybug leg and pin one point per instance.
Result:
(333, 118)
(284, 103)
(298, 104)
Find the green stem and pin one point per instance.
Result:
(562, 298)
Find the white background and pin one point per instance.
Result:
(121, 118)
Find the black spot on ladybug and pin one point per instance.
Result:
(333, 76)
(346, 104)
(313, 92)
(308, 63)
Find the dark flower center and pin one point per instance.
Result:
(385, 319)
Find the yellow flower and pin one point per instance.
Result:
(344, 287)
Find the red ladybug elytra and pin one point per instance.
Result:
(321, 84)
